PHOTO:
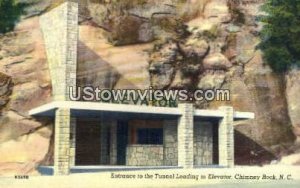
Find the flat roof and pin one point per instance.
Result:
(79, 108)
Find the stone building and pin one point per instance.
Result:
(93, 133)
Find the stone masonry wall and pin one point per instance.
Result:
(60, 31)
(72, 141)
(170, 143)
(203, 143)
(62, 142)
(144, 155)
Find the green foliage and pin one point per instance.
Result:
(10, 13)
(281, 34)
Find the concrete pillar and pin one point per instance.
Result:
(72, 141)
(60, 31)
(226, 138)
(113, 143)
(62, 142)
(185, 136)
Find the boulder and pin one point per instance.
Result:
(24, 153)
(217, 11)
(293, 99)
(177, 81)
(146, 33)
(216, 61)
(245, 46)
(162, 63)
(293, 159)
(163, 76)
(195, 47)
(211, 81)
(129, 29)
(231, 28)
(5, 89)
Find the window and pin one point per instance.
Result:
(150, 136)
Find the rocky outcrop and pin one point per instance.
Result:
(209, 44)
(195, 48)
(5, 89)
(162, 64)
(216, 61)
(103, 65)
(200, 58)
(131, 22)
(24, 84)
(221, 52)
(129, 29)
(293, 99)
(35, 8)
(269, 136)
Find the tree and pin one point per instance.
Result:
(281, 34)
(10, 12)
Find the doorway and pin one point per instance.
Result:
(88, 142)
(122, 141)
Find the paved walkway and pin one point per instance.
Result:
(245, 177)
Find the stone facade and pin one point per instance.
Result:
(203, 143)
(226, 138)
(62, 142)
(144, 155)
(170, 143)
(185, 136)
(60, 31)
(72, 141)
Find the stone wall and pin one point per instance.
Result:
(60, 31)
(203, 143)
(144, 155)
(73, 124)
(170, 143)
(62, 142)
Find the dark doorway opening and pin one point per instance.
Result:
(215, 143)
(122, 141)
(88, 142)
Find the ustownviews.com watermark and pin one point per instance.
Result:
(139, 96)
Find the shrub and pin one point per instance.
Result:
(10, 12)
(281, 34)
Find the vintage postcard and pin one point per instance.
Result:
(149, 93)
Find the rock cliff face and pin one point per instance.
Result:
(193, 44)
(293, 97)
(24, 83)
